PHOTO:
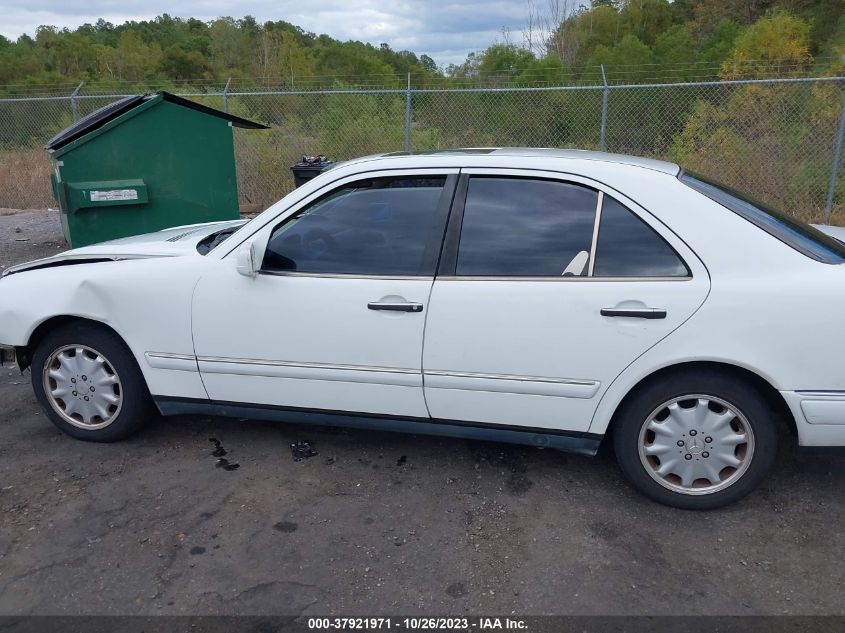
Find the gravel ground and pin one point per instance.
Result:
(381, 524)
(26, 235)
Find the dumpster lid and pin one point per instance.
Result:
(98, 118)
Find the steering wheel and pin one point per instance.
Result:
(314, 236)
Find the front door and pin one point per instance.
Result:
(335, 318)
(553, 289)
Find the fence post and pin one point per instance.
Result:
(408, 116)
(226, 95)
(604, 100)
(74, 109)
(837, 157)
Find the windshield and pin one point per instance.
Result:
(802, 237)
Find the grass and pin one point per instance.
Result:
(25, 179)
(264, 178)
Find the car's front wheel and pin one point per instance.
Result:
(88, 382)
(698, 440)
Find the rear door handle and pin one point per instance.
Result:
(395, 306)
(635, 313)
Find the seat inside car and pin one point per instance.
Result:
(577, 265)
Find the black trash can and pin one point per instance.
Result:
(310, 167)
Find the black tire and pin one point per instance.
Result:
(135, 403)
(744, 397)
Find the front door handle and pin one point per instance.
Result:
(395, 306)
(635, 313)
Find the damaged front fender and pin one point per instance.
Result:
(68, 260)
(146, 301)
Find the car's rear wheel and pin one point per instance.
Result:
(88, 382)
(698, 440)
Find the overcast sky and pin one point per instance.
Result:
(445, 30)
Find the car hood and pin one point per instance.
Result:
(179, 240)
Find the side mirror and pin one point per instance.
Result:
(245, 260)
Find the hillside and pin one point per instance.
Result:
(635, 40)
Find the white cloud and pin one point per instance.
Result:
(445, 30)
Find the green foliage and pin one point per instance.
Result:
(719, 44)
(171, 49)
(177, 63)
(428, 64)
(773, 126)
(353, 59)
(679, 39)
(549, 71)
(634, 40)
(646, 19)
(504, 60)
(630, 58)
(771, 41)
(675, 49)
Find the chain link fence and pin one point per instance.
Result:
(778, 140)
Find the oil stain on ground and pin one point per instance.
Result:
(285, 526)
(518, 484)
(219, 453)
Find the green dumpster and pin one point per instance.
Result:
(142, 164)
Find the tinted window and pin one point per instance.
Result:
(377, 227)
(802, 237)
(628, 247)
(521, 227)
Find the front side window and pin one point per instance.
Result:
(628, 247)
(524, 227)
(379, 227)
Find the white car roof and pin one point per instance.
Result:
(459, 157)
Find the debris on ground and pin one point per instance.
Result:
(302, 449)
(225, 464)
(219, 453)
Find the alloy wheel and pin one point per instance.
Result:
(83, 387)
(696, 444)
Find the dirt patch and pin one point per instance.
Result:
(29, 234)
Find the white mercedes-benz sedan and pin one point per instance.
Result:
(542, 297)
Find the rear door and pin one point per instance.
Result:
(547, 289)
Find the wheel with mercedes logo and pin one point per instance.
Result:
(698, 440)
(88, 382)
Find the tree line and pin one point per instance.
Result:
(774, 141)
(563, 41)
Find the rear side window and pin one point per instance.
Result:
(628, 247)
(802, 237)
(378, 227)
(524, 227)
